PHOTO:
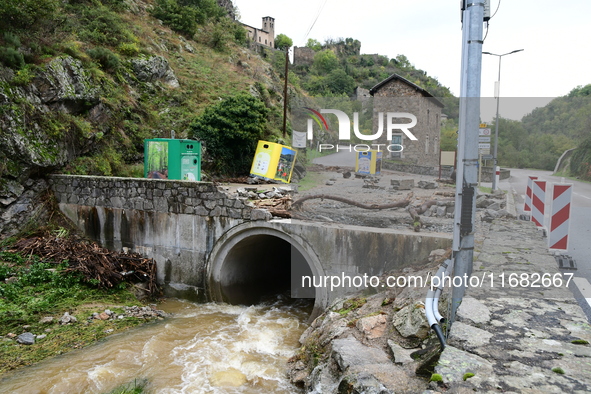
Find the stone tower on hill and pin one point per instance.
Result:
(265, 35)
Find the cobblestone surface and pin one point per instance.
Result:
(521, 329)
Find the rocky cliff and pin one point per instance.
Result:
(84, 100)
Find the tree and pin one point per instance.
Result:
(313, 44)
(339, 82)
(325, 61)
(230, 130)
(283, 42)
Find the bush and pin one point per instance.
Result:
(230, 130)
(23, 77)
(26, 14)
(107, 59)
(100, 25)
(12, 40)
(12, 58)
(129, 49)
(184, 16)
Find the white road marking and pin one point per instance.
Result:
(580, 195)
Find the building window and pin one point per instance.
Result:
(259, 39)
(427, 145)
(265, 42)
(397, 141)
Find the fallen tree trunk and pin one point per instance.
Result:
(397, 204)
(414, 214)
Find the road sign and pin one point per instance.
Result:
(483, 125)
(483, 139)
(487, 157)
(484, 146)
(483, 131)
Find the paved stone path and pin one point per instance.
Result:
(520, 331)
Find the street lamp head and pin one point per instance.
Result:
(508, 53)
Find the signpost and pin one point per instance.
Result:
(484, 140)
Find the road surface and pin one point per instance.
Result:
(579, 247)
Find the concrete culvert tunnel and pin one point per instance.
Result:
(259, 267)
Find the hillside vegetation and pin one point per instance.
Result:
(84, 82)
(538, 140)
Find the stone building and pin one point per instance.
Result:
(303, 56)
(265, 35)
(396, 94)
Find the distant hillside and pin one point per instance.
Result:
(337, 67)
(94, 78)
(542, 136)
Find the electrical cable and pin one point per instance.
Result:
(497, 10)
(314, 22)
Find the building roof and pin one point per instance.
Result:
(395, 77)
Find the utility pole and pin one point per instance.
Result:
(498, 97)
(467, 168)
(285, 93)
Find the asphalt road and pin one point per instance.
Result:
(579, 247)
(343, 158)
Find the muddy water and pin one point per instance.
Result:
(203, 348)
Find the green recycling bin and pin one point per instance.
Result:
(166, 158)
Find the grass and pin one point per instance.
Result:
(567, 176)
(310, 181)
(37, 289)
(312, 154)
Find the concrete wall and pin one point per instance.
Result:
(174, 222)
(329, 250)
(207, 243)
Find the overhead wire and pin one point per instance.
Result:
(314, 22)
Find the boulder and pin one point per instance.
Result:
(372, 326)
(411, 321)
(428, 185)
(26, 338)
(154, 68)
(67, 319)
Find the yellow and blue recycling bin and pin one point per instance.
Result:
(368, 162)
(273, 161)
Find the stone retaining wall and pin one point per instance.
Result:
(157, 195)
(174, 222)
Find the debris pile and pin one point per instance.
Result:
(97, 265)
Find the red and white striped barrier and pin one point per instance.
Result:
(560, 217)
(528, 191)
(538, 201)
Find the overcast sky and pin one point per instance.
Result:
(554, 35)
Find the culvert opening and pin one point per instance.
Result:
(259, 268)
